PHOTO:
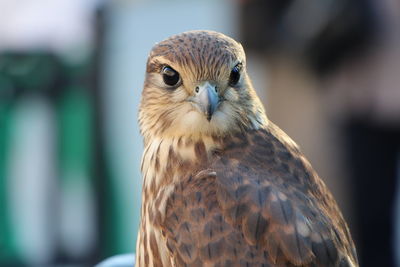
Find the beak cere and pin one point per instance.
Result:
(206, 98)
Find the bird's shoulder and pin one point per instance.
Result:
(258, 202)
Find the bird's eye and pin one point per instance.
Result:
(235, 75)
(170, 76)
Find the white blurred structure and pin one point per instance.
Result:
(56, 25)
(123, 260)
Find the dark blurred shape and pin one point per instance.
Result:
(259, 21)
(324, 32)
(21, 72)
(346, 35)
(372, 153)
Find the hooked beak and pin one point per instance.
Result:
(207, 99)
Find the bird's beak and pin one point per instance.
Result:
(206, 97)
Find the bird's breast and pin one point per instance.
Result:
(168, 160)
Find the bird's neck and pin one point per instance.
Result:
(167, 159)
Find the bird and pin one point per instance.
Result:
(222, 185)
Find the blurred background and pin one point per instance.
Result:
(71, 74)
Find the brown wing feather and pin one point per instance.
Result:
(201, 235)
(260, 204)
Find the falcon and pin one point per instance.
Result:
(223, 185)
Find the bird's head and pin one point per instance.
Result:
(196, 84)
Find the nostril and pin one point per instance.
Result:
(197, 89)
(216, 89)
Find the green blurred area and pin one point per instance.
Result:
(70, 92)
